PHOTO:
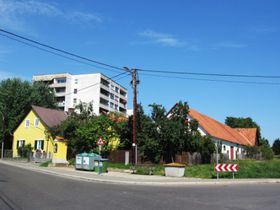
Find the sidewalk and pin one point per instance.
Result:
(127, 178)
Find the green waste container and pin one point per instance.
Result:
(88, 161)
(85, 161)
(101, 165)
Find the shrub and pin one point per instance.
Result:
(206, 149)
(263, 152)
(45, 164)
(267, 153)
(25, 150)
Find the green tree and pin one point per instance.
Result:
(276, 146)
(206, 148)
(16, 98)
(84, 129)
(171, 134)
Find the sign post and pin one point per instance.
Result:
(226, 168)
(100, 142)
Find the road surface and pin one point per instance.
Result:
(24, 189)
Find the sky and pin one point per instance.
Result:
(208, 36)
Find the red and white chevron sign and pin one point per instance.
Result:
(226, 167)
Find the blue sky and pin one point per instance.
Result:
(210, 36)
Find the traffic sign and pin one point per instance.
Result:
(100, 142)
(226, 167)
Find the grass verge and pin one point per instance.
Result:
(247, 169)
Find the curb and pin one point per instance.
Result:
(145, 183)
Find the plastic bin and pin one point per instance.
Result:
(101, 165)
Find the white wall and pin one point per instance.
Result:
(88, 90)
(226, 145)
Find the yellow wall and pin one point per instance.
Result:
(32, 133)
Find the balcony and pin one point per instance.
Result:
(61, 104)
(123, 93)
(122, 110)
(57, 85)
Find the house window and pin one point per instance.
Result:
(117, 89)
(112, 96)
(20, 143)
(224, 147)
(74, 100)
(36, 122)
(27, 123)
(39, 144)
(55, 148)
(116, 107)
(75, 91)
(76, 81)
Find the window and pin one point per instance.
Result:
(20, 143)
(75, 91)
(111, 105)
(116, 107)
(27, 123)
(112, 96)
(104, 82)
(74, 100)
(39, 144)
(117, 89)
(224, 147)
(61, 80)
(36, 122)
(76, 81)
(55, 148)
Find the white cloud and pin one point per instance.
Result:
(12, 13)
(229, 44)
(163, 39)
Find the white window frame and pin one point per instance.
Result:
(36, 122)
(21, 142)
(27, 123)
(39, 142)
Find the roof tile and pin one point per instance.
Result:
(51, 117)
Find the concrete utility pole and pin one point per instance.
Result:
(3, 133)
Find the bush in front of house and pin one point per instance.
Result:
(25, 151)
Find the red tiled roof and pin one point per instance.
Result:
(51, 117)
(249, 133)
(222, 131)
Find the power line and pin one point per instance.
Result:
(54, 53)
(62, 51)
(97, 83)
(212, 80)
(210, 74)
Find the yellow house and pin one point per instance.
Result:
(35, 130)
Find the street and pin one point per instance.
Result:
(23, 189)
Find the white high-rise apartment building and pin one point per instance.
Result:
(105, 94)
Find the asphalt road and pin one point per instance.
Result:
(23, 189)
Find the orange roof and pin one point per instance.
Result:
(249, 133)
(222, 131)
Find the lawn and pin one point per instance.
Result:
(247, 169)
